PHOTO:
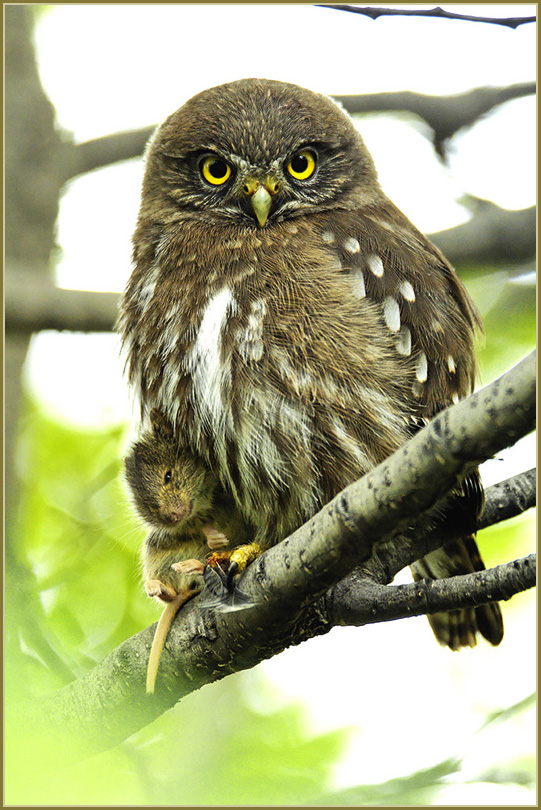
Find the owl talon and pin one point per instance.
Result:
(229, 564)
(220, 562)
(230, 576)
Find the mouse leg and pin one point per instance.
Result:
(215, 539)
(189, 567)
(157, 589)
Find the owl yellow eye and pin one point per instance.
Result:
(215, 171)
(302, 165)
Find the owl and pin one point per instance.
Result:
(288, 319)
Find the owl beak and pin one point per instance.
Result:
(261, 195)
(261, 203)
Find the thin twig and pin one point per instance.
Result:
(367, 602)
(439, 13)
(508, 499)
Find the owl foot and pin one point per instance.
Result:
(157, 589)
(215, 539)
(229, 564)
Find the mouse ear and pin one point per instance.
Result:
(161, 426)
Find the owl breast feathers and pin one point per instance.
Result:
(288, 319)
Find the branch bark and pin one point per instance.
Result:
(281, 598)
(100, 152)
(367, 602)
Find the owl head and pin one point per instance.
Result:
(257, 151)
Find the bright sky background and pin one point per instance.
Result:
(115, 67)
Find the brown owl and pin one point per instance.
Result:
(288, 319)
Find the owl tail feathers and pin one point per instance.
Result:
(459, 628)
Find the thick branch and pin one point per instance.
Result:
(33, 303)
(493, 234)
(109, 702)
(438, 13)
(445, 115)
(108, 149)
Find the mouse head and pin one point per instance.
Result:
(168, 483)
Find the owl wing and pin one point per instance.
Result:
(435, 323)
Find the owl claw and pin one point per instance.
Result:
(221, 564)
(229, 564)
(230, 576)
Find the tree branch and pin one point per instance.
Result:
(270, 610)
(100, 152)
(390, 558)
(493, 234)
(438, 13)
(364, 601)
(508, 499)
(33, 303)
(445, 115)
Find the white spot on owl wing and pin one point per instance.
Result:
(451, 364)
(403, 341)
(357, 278)
(328, 236)
(375, 265)
(204, 360)
(421, 368)
(456, 399)
(352, 245)
(407, 291)
(391, 313)
(250, 339)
